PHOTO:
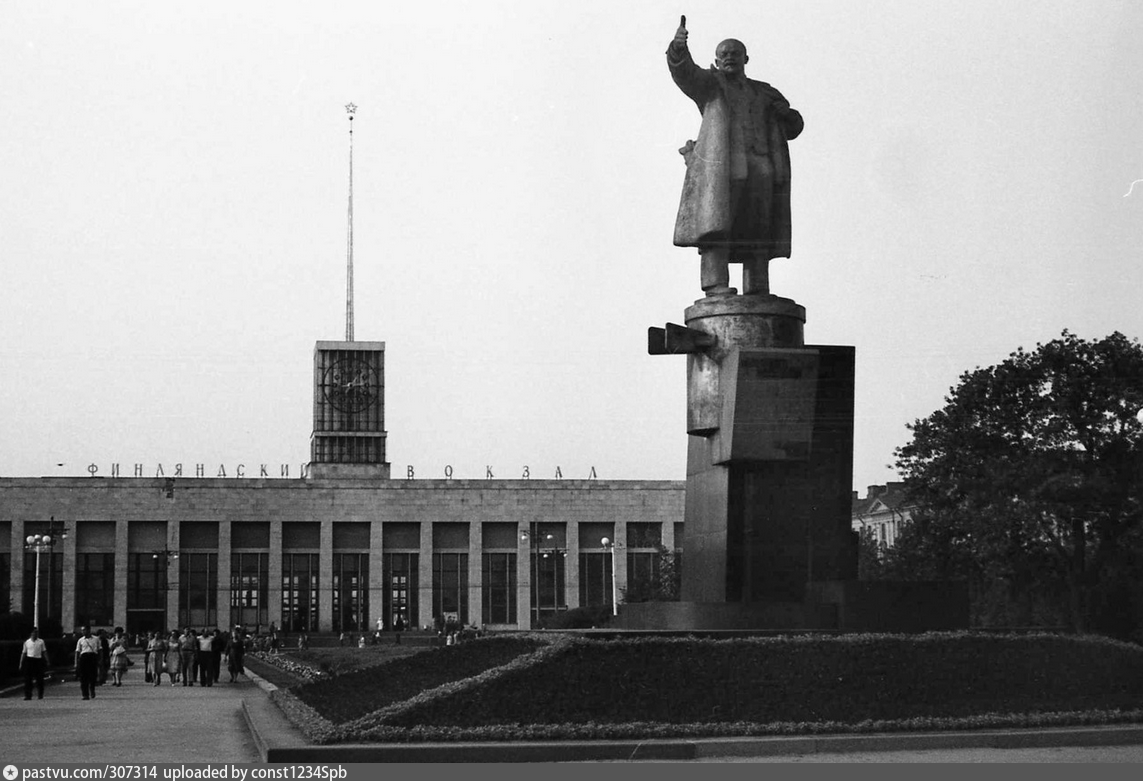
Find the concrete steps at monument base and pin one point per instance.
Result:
(333, 639)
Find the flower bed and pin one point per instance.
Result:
(356, 694)
(306, 672)
(576, 688)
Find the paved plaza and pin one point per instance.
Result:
(135, 722)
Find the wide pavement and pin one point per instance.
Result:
(135, 722)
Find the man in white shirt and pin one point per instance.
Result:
(87, 663)
(33, 662)
(205, 665)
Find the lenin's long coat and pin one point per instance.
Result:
(706, 215)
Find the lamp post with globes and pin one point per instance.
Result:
(168, 556)
(38, 544)
(533, 536)
(611, 547)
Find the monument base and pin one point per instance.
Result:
(842, 605)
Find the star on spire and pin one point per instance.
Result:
(350, 108)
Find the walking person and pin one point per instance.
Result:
(119, 660)
(33, 661)
(235, 655)
(188, 646)
(205, 665)
(104, 656)
(217, 649)
(174, 659)
(156, 657)
(87, 663)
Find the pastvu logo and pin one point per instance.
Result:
(10, 772)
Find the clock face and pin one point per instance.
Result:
(350, 385)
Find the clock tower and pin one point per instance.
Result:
(348, 439)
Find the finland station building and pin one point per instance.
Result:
(336, 546)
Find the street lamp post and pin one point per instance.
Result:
(611, 547)
(168, 556)
(40, 543)
(533, 536)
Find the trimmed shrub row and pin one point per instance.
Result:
(656, 730)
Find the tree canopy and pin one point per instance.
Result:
(1029, 482)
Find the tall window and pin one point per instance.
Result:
(350, 592)
(146, 582)
(249, 589)
(549, 582)
(642, 575)
(5, 580)
(499, 592)
(595, 579)
(450, 586)
(94, 589)
(51, 585)
(400, 595)
(300, 592)
(644, 541)
(198, 589)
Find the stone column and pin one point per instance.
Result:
(524, 577)
(122, 562)
(619, 558)
(274, 568)
(16, 579)
(377, 573)
(225, 619)
(67, 614)
(325, 577)
(425, 576)
(571, 566)
(475, 573)
(174, 575)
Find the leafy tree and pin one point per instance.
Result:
(870, 556)
(663, 584)
(1029, 482)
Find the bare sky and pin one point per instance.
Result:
(173, 216)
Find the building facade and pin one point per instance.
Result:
(327, 554)
(882, 513)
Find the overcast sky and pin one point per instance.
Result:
(173, 183)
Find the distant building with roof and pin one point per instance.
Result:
(882, 513)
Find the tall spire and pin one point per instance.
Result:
(350, 108)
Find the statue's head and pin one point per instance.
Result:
(730, 57)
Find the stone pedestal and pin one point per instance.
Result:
(769, 460)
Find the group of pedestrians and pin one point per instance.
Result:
(194, 656)
(186, 658)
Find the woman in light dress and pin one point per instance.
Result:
(118, 659)
(156, 657)
(173, 657)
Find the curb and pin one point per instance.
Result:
(278, 741)
(1110, 735)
